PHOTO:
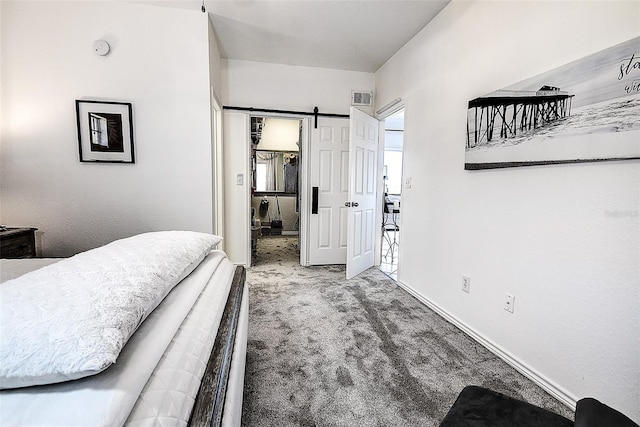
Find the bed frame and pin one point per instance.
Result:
(209, 405)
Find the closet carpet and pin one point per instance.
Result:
(326, 351)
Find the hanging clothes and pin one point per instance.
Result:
(291, 178)
(264, 208)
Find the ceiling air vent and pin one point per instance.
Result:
(362, 98)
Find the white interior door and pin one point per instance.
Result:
(361, 205)
(329, 185)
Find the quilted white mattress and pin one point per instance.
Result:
(167, 394)
(71, 319)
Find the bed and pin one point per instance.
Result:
(148, 330)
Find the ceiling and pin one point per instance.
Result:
(356, 35)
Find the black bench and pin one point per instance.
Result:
(481, 407)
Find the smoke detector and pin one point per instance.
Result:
(101, 47)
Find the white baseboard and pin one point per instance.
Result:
(549, 386)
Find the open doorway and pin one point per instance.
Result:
(275, 157)
(392, 179)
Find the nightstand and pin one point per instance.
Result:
(18, 243)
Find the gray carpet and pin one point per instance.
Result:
(324, 351)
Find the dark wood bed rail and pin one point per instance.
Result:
(209, 405)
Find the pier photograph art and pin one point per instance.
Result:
(585, 111)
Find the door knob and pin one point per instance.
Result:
(347, 204)
(354, 204)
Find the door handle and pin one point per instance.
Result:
(314, 200)
(351, 204)
(354, 204)
(347, 204)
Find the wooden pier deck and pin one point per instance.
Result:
(514, 112)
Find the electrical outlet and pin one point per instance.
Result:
(509, 301)
(240, 179)
(466, 283)
(407, 182)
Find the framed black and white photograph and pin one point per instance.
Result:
(585, 111)
(105, 131)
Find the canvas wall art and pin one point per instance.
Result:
(105, 131)
(584, 111)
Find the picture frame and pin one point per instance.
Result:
(585, 111)
(105, 131)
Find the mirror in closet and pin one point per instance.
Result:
(275, 155)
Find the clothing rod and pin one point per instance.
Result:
(302, 113)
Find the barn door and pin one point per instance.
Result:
(329, 176)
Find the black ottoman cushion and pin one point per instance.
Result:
(592, 413)
(479, 406)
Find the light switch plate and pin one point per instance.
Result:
(509, 301)
(466, 284)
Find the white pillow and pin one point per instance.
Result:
(71, 319)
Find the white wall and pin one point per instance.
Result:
(287, 87)
(279, 87)
(215, 62)
(280, 135)
(160, 63)
(237, 210)
(544, 234)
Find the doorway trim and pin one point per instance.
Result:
(217, 160)
(382, 114)
(306, 129)
(236, 143)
